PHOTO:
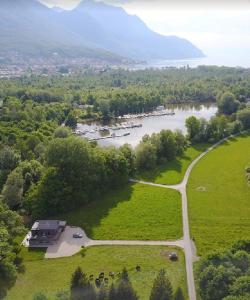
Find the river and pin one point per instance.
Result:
(151, 124)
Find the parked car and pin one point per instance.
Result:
(77, 235)
(173, 256)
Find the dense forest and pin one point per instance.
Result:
(45, 169)
(114, 93)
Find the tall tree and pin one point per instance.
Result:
(162, 288)
(81, 288)
(227, 103)
(112, 293)
(10, 228)
(179, 294)
(125, 290)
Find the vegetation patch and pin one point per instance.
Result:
(220, 214)
(136, 212)
(225, 275)
(51, 276)
(172, 172)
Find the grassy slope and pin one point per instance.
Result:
(138, 212)
(49, 276)
(173, 172)
(219, 212)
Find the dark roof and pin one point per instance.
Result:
(47, 225)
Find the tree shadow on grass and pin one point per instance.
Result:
(90, 216)
(175, 165)
(152, 175)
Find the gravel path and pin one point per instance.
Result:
(189, 246)
(67, 246)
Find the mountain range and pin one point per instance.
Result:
(92, 29)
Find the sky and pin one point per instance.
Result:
(218, 27)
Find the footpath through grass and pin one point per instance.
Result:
(219, 197)
(173, 172)
(135, 212)
(50, 276)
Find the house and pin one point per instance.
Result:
(46, 232)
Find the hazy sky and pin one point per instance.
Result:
(216, 26)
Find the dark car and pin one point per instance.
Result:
(173, 256)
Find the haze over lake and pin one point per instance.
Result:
(242, 61)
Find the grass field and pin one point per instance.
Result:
(135, 212)
(219, 197)
(50, 276)
(173, 172)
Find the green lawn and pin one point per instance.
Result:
(173, 172)
(50, 276)
(137, 211)
(219, 197)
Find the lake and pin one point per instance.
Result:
(151, 124)
(215, 60)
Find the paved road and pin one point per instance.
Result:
(68, 246)
(190, 256)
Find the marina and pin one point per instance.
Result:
(132, 128)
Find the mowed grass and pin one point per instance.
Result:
(135, 212)
(173, 172)
(50, 276)
(219, 197)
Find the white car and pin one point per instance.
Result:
(77, 235)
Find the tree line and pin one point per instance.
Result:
(82, 288)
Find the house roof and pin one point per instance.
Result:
(47, 225)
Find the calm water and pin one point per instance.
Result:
(155, 124)
(225, 60)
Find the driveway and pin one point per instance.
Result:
(67, 245)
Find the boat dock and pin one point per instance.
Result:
(111, 136)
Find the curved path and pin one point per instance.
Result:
(188, 243)
(68, 246)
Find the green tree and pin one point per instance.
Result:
(162, 288)
(79, 286)
(129, 155)
(125, 291)
(179, 294)
(241, 286)
(193, 127)
(214, 282)
(244, 117)
(13, 189)
(146, 156)
(227, 103)
(112, 293)
(9, 160)
(10, 228)
(167, 147)
(62, 132)
(71, 120)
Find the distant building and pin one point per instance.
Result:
(46, 232)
